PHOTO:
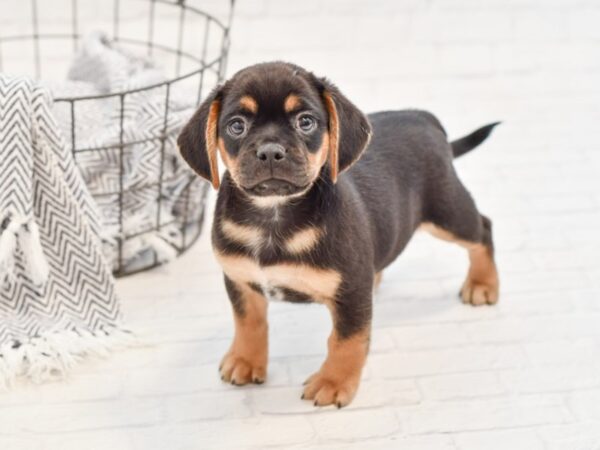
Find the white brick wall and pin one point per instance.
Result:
(441, 376)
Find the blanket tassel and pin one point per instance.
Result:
(9, 230)
(29, 240)
(26, 234)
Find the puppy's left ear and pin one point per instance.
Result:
(349, 129)
(198, 140)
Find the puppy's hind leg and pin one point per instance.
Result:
(481, 285)
(377, 281)
(457, 220)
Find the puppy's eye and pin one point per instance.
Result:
(236, 127)
(306, 122)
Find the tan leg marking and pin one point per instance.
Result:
(303, 241)
(481, 285)
(246, 360)
(377, 280)
(248, 236)
(319, 284)
(338, 379)
(444, 235)
(249, 104)
(291, 103)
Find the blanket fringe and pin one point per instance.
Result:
(51, 356)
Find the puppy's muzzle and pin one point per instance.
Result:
(275, 187)
(271, 153)
(272, 161)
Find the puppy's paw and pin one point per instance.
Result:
(326, 390)
(238, 370)
(477, 293)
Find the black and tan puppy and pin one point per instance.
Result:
(316, 201)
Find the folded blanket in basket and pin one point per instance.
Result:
(57, 298)
(147, 122)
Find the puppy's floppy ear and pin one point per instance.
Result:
(198, 140)
(349, 129)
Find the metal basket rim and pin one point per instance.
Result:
(177, 4)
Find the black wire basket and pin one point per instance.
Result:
(190, 46)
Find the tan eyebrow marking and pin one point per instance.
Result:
(249, 103)
(292, 102)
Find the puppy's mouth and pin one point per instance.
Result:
(276, 187)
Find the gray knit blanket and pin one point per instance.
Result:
(60, 212)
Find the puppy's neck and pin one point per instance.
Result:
(305, 206)
(273, 202)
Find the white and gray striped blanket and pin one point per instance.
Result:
(57, 298)
(60, 211)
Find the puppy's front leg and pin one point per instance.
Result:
(246, 360)
(339, 377)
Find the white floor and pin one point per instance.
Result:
(524, 374)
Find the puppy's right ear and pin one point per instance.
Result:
(198, 140)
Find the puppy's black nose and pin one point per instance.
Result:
(271, 152)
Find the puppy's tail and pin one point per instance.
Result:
(469, 142)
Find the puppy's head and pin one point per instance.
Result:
(278, 128)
